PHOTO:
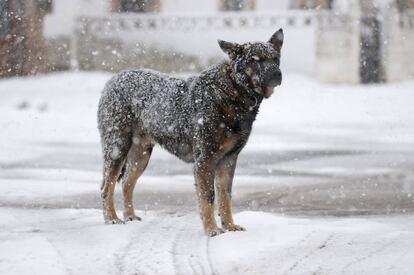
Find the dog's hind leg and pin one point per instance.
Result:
(115, 152)
(224, 180)
(137, 161)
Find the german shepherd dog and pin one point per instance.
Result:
(205, 119)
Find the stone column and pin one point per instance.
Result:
(337, 49)
(398, 52)
(22, 45)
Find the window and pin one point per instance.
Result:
(311, 4)
(132, 6)
(4, 19)
(138, 5)
(236, 5)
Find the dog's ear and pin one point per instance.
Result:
(231, 49)
(277, 39)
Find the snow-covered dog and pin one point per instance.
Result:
(205, 119)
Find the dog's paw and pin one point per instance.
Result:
(214, 232)
(234, 227)
(114, 221)
(132, 218)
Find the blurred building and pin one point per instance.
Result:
(136, 5)
(311, 4)
(405, 4)
(340, 41)
(22, 45)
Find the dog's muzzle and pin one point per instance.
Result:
(268, 91)
(275, 79)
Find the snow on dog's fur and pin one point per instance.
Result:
(204, 119)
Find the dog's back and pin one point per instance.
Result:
(148, 103)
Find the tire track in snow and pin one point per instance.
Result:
(318, 245)
(191, 249)
(381, 247)
(162, 247)
(315, 260)
(392, 268)
(145, 246)
(68, 270)
(33, 231)
(292, 251)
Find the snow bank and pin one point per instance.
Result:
(49, 163)
(77, 242)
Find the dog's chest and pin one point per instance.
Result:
(235, 129)
(230, 144)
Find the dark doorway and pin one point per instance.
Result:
(138, 5)
(370, 70)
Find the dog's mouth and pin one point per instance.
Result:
(268, 90)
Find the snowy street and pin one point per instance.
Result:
(325, 185)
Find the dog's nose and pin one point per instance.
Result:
(279, 76)
(276, 78)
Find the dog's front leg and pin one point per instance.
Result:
(224, 179)
(204, 177)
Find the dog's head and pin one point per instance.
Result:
(256, 65)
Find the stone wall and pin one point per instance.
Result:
(323, 44)
(398, 49)
(337, 54)
(340, 56)
(187, 43)
(95, 52)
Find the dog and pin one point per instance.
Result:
(205, 120)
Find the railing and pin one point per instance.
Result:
(327, 21)
(220, 21)
(163, 37)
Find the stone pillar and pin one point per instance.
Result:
(398, 51)
(370, 67)
(337, 49)
(22, 45)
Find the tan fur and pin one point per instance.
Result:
(107, 194)
(228, 143)
(249, 71)
(268, 92)
(223, 178)
(207, 216)
(205, 189)
(138, 157)
(224, 199)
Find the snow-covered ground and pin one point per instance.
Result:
(325, 186)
